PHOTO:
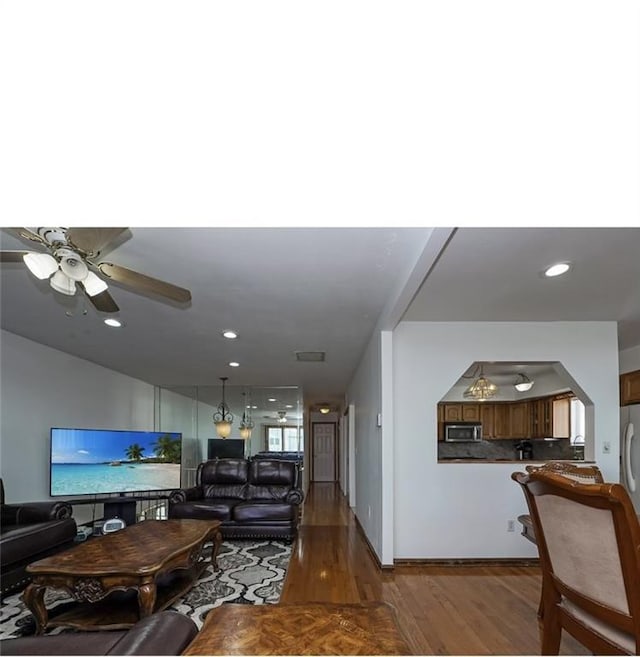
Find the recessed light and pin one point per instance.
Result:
(557, 270)
(288, 406)
(234, 364)
(231, 335)
(113, 322)
(272, 399)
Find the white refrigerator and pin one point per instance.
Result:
(630, 452)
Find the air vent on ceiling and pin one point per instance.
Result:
(310, 356)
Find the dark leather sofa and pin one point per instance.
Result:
(164, 633)
(252, 498)
(28, 532)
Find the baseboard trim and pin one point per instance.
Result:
(524, 561)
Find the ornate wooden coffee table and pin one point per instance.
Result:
(315, 628)
(122, 577)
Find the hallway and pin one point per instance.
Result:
(444, 610)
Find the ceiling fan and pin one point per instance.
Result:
(69, 262)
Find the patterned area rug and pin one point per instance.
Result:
(251, 572)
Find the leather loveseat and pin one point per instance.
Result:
(28, 532)
(164, 633)
(251, 498)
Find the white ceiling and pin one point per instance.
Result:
(309, 289)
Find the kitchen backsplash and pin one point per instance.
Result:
(543, 450)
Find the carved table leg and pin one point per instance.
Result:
(34, 599)
(147, 598)
(217, 542)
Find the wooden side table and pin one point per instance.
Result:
(368, 628)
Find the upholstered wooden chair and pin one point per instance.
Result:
(588, 539)
(585, 474)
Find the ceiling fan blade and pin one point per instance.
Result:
(12, 256)
(103, 302)
(93, 240)
(141, 283)
(25, 233)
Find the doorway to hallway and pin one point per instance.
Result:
(324, 451)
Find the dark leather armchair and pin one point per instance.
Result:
(164, 633)
(252, 499)
(28, 532)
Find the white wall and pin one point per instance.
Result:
(461, 510)
(364, 393)
(44, 388)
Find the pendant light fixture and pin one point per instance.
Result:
(246, 425)
(523, 383)
(481, 389)
(223, 418)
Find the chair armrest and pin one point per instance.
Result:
(185, 494)
(295, 496)
(30, 512)
(164, 633)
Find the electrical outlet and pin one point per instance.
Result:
(606, 447)
(511, 526)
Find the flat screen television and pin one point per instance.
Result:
(100, 461)
(225, 448)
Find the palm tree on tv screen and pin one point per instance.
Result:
(168, 448)
(134, 452)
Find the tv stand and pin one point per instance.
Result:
(121, 505)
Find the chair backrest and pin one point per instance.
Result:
(584, 474)
(588, 540)
(222, 471)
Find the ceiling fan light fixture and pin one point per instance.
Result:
(94, 284)
(72, 265)
(60, 282)
(41, 265)
(523, 383)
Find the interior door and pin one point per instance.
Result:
(324, 451)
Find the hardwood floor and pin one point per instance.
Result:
(442, 610)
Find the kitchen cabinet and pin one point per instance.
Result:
(630, 388)
(501, 421)
(461, 412)
(487, 414)
(471, 412)
(519, 420)
(561, 418)
(452, 412)
(541, 418)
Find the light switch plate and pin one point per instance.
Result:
(379, 419)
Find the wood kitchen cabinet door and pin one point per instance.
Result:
(453, 412)
(501, 421)
(471, 412)
(630, 388)
(519, 419)
(487, 413)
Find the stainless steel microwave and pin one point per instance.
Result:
(462, 433)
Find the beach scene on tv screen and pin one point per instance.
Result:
(89, 461)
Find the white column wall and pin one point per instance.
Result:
(446, 511)
(364, 393)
